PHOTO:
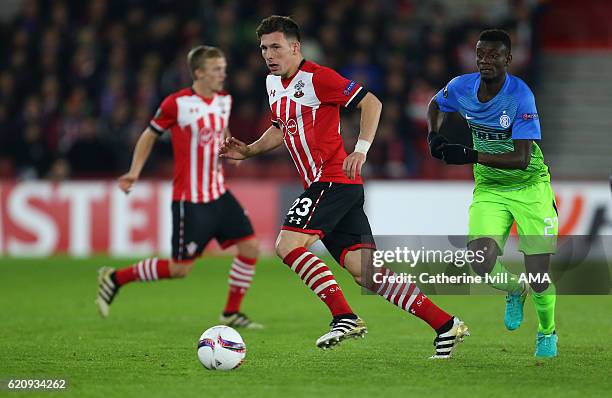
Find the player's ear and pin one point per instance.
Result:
(197, 74)
(296, 47)
(508, 59)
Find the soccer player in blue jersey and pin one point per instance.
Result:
(512, 182)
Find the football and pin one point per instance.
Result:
(221, 348)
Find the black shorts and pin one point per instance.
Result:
(334, 212)
(195, 224)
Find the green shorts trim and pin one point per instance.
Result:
(493, 212)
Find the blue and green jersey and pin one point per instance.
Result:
(510, 115)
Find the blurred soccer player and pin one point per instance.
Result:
(305, 99)
(512, 183)
(202, 208)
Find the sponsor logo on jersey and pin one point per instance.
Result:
(272, 93)
(501, 135)
(349, 87)
(445, 92)
(530, 116)
(504, 120)
(290, 127)
(205, 135)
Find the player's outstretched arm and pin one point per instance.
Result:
(233, 148)
(435, 118)
(370, 107)
(141, 154)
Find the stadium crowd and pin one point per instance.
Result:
(80, 80)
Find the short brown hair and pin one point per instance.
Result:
(199, 54)
(278, 23)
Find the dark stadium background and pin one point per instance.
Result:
(80, 79)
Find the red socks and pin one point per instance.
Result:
(317, 276)
(150, 269)
(240, 277)
(408, 297)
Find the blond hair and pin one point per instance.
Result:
(198, 55)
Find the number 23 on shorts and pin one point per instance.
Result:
(301, 207)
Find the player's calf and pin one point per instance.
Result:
(180, 269)
(488, 248)
(240, 278)
(408, 297)
(110, 280)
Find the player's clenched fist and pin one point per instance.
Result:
(233, 148)
(352, 164)
(126, 181)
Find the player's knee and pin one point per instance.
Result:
(288, 241)
(482, 268)
(249, 248)
(352, 264)
(355, 273)
(484, 263)
(283, 247)
(180, 270)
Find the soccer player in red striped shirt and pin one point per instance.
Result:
(305, 99)
(202, 208)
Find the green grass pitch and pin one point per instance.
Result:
(51, 329)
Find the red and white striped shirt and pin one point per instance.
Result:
(306, 107)
(197, 126)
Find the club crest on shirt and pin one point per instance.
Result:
(504, 120)
(298, 89)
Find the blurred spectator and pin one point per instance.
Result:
(59, 170)
(363, 70)
(89, 155)
(30, 152)
(81, 80)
